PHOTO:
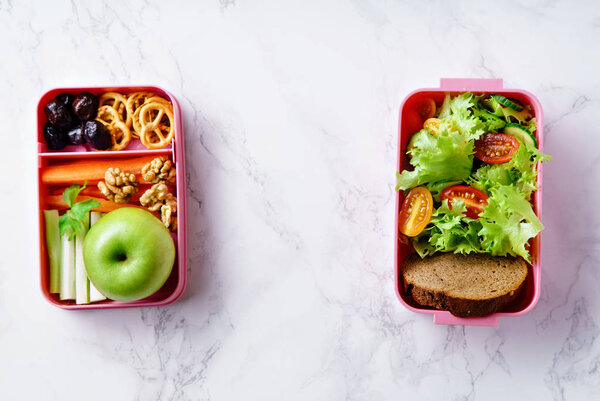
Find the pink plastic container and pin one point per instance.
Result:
(406, 128)
(175, 284)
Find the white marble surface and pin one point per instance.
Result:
(290, 112)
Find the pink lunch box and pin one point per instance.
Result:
(406, 129)
(173, 288)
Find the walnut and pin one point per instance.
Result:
(154, 197)
(158, 198)
(168, 213)
(158, 170)
(118, 186)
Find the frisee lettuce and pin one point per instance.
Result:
(504, 228)
(449, 230)
(508, 223)
(506, 113)
(520, 172)
(447, 155)
(440, 160)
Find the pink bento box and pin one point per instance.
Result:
(455, 86)
(173, 288)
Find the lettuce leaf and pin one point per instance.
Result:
(531, 125)
(445, 110)
(508, 222)
(449, 231)
(491, 123)
(506, 225)
(439, 158)
(520, 172)
(437, 187)
(447, 156)
(506, 113)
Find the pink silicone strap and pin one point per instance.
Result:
(448, 318)
(470, 84)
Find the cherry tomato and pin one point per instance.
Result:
(415, 212)
(426, 108)
(433, 125)
(411, 121)
(496, 148)
(475, 200)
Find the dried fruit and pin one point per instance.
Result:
(85, 106)
(75, 135)
(56, 138)
(97, 135)
(58, 114)
(65, 99)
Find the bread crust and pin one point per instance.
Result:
(464, 285)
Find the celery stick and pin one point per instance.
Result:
(81, 277)
(95, 295)
(53, 247)
(67, 267)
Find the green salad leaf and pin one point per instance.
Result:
(520, 172)
(504, 228)
(445, 158)
(531, 125)
(447, 155)
(449, 231)
(508, 222)
(490, 122)
(445, 109)
(506, 113)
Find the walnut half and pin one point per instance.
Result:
(158, 198)
(118, 186)
(168, 213)
(158, 170)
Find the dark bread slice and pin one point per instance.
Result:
(466, 285)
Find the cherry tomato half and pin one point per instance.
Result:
(475, 200)
(411, 121)
(415, 212)
(496, 148)
(433, 125)
(426, 108)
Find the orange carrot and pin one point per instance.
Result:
(92, 170)
(92, 190)
(58, 202)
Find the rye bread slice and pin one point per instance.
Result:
(466, 285)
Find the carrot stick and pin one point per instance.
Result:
(93, 170)
(58, 202)
(92, 190)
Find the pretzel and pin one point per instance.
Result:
(119, 131)
(156, 120)
(137, 128)
(121, 135)
(158, 99)
(107, 114)
(119, 103)
(134, 102)
(135, 122)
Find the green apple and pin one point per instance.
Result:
(128, 254)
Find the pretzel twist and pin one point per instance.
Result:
(157, 128)
(119, 103)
